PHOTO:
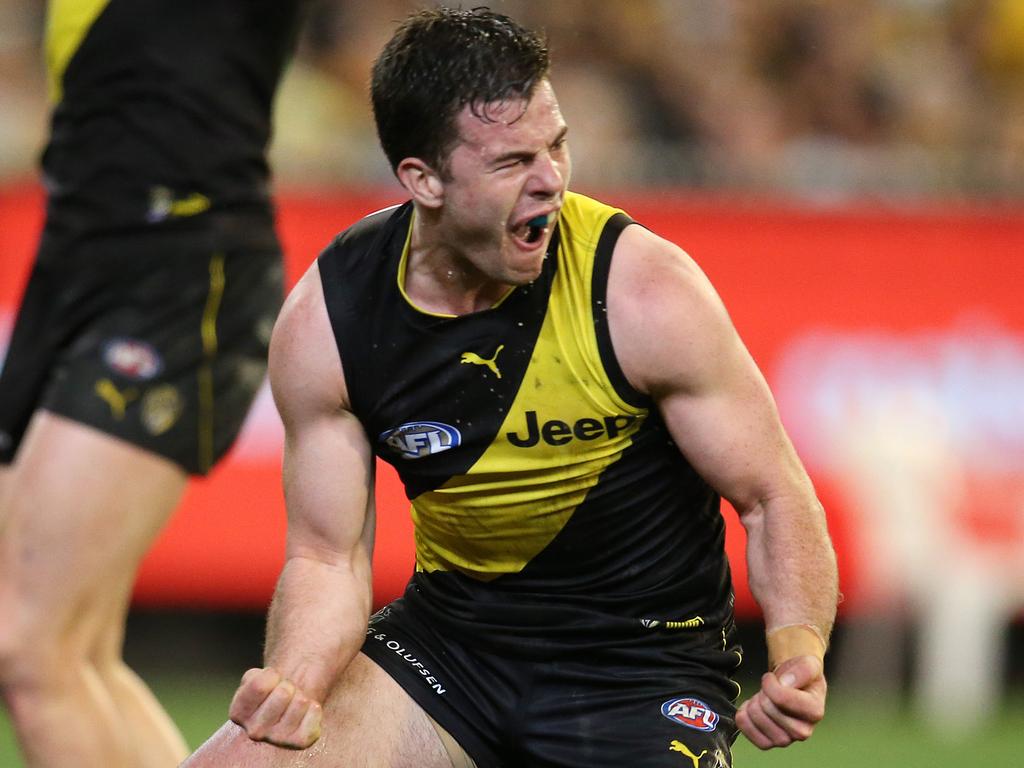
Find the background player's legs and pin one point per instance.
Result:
(81, 509)
(369, 722)
(155, 738)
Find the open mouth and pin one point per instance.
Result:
(533, 231)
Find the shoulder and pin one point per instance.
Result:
(668, 324)
(304, 365)
(658, 268)
(354, 266)
(368, 232)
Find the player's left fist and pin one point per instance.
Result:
(789, 705)
(270, 708)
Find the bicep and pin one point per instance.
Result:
(328, 488)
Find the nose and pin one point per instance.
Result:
(549, 176)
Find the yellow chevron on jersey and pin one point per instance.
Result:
(66, 25)
(566, 425)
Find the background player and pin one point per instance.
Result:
(138, 347)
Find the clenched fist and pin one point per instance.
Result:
(788, 706)
(271, 708)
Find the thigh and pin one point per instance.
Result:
(473, 695)
(369, 722)
(82, 508)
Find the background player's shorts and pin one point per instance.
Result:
(653, 704)
(157, 337)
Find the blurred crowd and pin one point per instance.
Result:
(820, 99)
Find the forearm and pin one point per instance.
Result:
(792, 573)
(317, 620)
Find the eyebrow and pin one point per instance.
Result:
(523, 155)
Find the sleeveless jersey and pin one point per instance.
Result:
(162, 108)
(551, 506)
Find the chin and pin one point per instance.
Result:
(524, 277)
(522, 268)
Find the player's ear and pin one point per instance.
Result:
(421, 181)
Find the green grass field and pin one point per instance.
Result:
(854, 734)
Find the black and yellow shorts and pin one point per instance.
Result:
(158, 338)
(650, 703)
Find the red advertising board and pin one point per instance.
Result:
(893, 340)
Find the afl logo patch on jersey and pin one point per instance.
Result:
(418, 439)
(132, 358)
(693, 713)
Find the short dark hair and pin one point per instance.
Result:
(441, 60)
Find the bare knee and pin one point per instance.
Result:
(229, 746)
(36, 658)
(36, 661)
(35, 676)
(368, 721)
(47, 642)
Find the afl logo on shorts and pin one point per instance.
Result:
(421, 438)
(693, 713)
(132, 358)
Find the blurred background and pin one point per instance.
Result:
(850, 173)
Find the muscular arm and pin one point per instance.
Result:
(318, 616)
(675, 341)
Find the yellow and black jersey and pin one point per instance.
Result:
(161, 107)
(550, 502)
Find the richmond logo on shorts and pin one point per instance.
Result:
(691, 712)
(417, 439)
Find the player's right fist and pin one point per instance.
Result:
(270, 708)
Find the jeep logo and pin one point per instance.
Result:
(555, 432)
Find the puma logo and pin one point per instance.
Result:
(475, 359)
(112, 396)
(678, 746)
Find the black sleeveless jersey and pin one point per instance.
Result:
(551, 507)
(162, 108)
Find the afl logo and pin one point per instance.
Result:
(693, 713)
(421, 438)
(132, 358)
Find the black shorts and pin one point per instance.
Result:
(158, 338)
(664, 703)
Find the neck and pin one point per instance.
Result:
(440, 278)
